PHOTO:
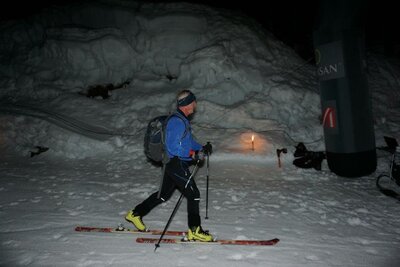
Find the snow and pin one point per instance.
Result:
(247, 83)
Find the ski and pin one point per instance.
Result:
(123, 230)
(270, 242)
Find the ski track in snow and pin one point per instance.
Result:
(316, 215)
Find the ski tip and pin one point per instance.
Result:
(275, 240)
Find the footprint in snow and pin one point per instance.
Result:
(312, 258)
(36, 200)
(236, 257)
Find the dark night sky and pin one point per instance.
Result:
(290, 21)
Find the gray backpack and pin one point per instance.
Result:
(154, 139)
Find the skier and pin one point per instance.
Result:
(182, 149)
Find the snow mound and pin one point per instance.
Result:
(242, 76)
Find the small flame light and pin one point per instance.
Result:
(253, 143)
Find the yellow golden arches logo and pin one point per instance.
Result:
(317, 56)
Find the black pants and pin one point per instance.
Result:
(176, 176)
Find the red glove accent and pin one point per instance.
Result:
(192, 153)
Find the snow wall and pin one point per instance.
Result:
(244, 78)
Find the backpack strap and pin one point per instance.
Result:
(184, 121)
(176, 114)
(165, 158)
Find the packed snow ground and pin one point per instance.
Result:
(320, 219)
(247, 82)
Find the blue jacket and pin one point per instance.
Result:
(179, 140)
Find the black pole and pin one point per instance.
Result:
(169, 222)
(176, 207)
(208, 179)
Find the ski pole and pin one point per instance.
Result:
(278, 153)
(176, 207)
(208, 178)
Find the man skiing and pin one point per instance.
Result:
(181, 149)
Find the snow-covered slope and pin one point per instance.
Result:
(243, 77)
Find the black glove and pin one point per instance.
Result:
(199, 156)
(207, 149)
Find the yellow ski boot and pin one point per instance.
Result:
(136, 220)
(198, 234)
